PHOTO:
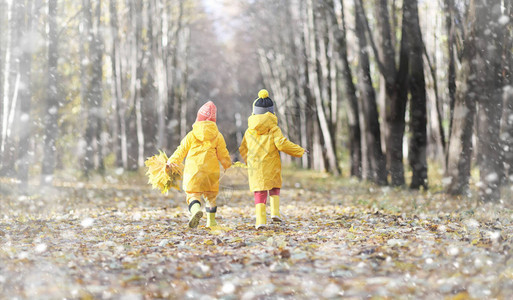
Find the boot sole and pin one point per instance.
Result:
(194, 221)
(276, 219)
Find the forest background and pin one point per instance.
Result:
(405, 106)
(385, 90)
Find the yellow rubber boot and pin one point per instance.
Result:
(211, 219)
(275, 208)
(261, 219)
(196, 213)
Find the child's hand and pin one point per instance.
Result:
(170, 166)
(307, 152)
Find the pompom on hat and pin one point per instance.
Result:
(208, 112)
(263, 104)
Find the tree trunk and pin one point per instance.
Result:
(507, 115)
(51, 110)
(3, 16)
(174, 101)
(355, 145)
(185, 84)
(395, 87)
(490, 102)
(6, 102)
(25, 95)
(436, 119)
(160, 46)
(451, 76)
(375, 159)
(314, 83)
(93, 157)
(135, 140)
(418, 110)
(138, 87)
(117, 90)
(149, 98)
(305, 115)
(460, 142)
(397, 95)
(311, 119)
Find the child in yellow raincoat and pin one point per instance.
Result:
(260, 149)
(203, 148)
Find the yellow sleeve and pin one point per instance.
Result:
(243, 149)
(284, 145)
(222, 153)
(182, 150)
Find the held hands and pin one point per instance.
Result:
(170, 166)
(307, 152)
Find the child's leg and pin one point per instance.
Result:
(210, 208)
(275, 204)
(193, 200)
(260, 200)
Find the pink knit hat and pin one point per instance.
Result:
(207, 112)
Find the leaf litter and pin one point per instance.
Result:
(339, 239)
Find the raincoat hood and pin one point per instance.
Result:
(262, 123)
(205, 130)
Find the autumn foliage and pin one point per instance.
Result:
(159, 177)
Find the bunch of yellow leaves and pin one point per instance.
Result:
(158, 177)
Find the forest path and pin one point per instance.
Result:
(340, 238)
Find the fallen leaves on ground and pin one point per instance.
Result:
(338, 238)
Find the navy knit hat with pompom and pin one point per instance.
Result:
(263, 104)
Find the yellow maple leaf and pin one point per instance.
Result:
(158, 177)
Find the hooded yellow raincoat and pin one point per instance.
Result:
(261, 148)
(204, 147)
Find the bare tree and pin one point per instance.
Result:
(489, 42)
(6, 90)
(314, 70)
(117, 121)
(395, 86)
(451, 68)
(374, 155)
(507, 115)
(355, 145)
(417, 87)
(51, 111)
(93, 98)
(460, 140)
(3, 25)
(24, 126)
(173, 76)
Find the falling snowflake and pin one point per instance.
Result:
(40, 248)
(87, 222)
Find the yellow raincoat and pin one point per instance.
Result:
(203, 148)
(261, 148)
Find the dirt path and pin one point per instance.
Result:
(340, 239)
